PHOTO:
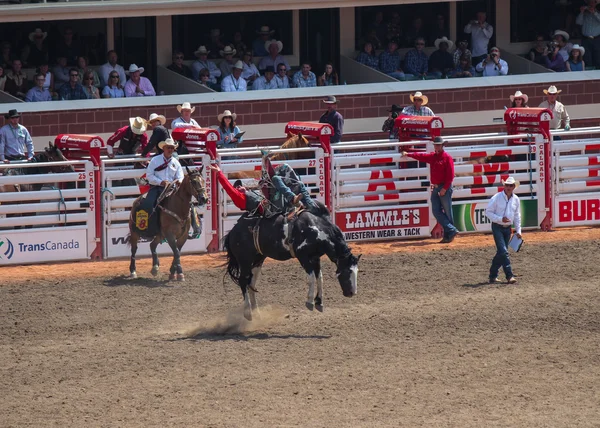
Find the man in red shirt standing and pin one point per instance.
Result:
(442, 175)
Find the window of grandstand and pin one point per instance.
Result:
(532, 17)
(404, 23)
(238, 29)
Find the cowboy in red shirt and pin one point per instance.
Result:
(442, 175)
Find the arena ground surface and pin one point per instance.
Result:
(427, 342)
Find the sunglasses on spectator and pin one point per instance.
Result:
(509, 185)
(74, 75)
(114, 77)
(418, 99)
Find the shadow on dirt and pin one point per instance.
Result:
(218, 337)
(124, 280)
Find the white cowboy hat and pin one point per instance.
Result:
(225, 114)
(239, 65)
(581, 49)
(519, 94)
(277, 42)
(138, 125)
(185, 106)
(133, 68)
(552, 90)
(562, 33)
(168, 142)
(330, 100)
(227, 50)
(202, 51)
(418, 94)
(265, 30)
(443, 40)
(159, 117)
(511, 180)
(37, 33)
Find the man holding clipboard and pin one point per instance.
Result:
(504, 209)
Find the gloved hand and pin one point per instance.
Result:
(567, 127)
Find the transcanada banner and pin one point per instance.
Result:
(36, 246)
(387, 223)
(472, 218)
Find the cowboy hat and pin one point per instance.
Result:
(133, 68)
(138, 125)
(511, 180)
(268, 69)
(519, 94)
(418, 94)
(158, 117)
(395, 109)
(443, 40)
(552, 90)
(227, 50)
(239, 65)
(168, 142)
(330, 100)
(277, 42)
(581, 49)
(202, 51)
(438, 140)
(37, 33)
(12, 113)
(225, 114)
(265, 30)
(562, 33)
(185, 106)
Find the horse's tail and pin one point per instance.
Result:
(233, 267)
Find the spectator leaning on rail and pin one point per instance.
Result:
(234, 82)
(589, 19)
(38, 93)
(305, 78)
(130, 138)
(559, 111)
(418, 108)
(519, 100)
(334, 118)
(416, 62)
(575, 62)
(442, 175)
(185, 119)
(281, 78)
(179, 67)
(441, 63)
(15, 139)
(138, 86)
(231, 135)
(504, 209)
(274, 47)
(481, 32)
(492, 65)
(266, 81)
(111, 66)
(203, 62)
(73, 90)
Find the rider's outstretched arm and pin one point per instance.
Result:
(238, 197)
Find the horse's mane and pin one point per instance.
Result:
(293, 142)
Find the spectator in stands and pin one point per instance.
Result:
(415, 32)
(481, 32)
(7, 56)
(229, 131)
(203, 62)
(68, 48)
(179, 67)
(465, 68)
(2, 78)
(553, 59)
(216, 43)
(589, 19)
(37, 51)
(329, 76)
(493, 65)
(575, 62)
(72, 90)
(389, 61)
(48, 76)
(259, 44)
(462, 49)
(38, 92)
(185, 117)
(368, 56)
(441, 63)
(418, 108)
(238, 43)
(266, 81)
(16, 80)
(130, 138)
(305, 78)
(61, 73)
(416, 62)
(88, 84)
(15, 139)
(560, 117)
(440, 29)
(274, 47)
(227, 64)
(110, 66)
(334, 118)
(519, 100)
(114, 89)
(281, 78)
(205, 80)
(249, 72)
(82, 63)
(561, 38)
(536, 54)
(138, 86)
(159, 133)
(235, 82)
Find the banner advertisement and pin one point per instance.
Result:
(578, 211)
(36, 246)
(472, 218)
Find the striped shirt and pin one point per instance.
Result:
(423, 111)
(590, 23)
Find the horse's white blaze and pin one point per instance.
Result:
(321, 236)
(354, 278)
(310, 297)
(303, 244)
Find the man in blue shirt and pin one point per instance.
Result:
(38, 93)
(389, 61)
(416, 61)
(14, 139)
(305, 78)
(73, 90)
(589, 19)
(334, 118)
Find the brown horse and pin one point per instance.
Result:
(174, 220)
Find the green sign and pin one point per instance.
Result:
(472, 218)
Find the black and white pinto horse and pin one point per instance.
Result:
(309, 237)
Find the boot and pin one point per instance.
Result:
(196, 224)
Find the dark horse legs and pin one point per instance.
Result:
(176, 264)
(134, 246)
(248, 277)
(155, 261)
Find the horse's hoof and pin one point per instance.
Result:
(319, 308)
(310, 306)
(133, 275)
(180, 277)
(171, 277)
(154, 270)
(248, 314)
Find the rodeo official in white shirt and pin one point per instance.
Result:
(163, 169)
(504, 209)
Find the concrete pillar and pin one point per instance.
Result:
(452, 21)
(164, 40)
(502, 29)
(347, 31)
(110, 34)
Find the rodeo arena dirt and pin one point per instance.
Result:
(426, 340)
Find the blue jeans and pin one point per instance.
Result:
(441, 207)
(501, 238)
(400, 75)
(287, 193)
